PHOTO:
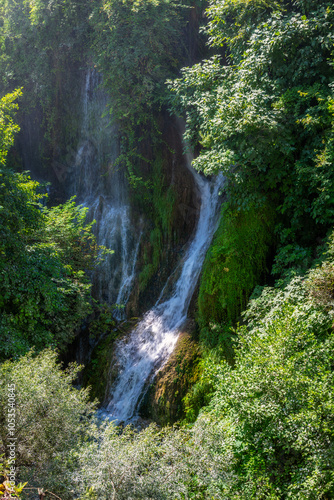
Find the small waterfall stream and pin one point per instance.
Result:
(148, 347)
(103, 188)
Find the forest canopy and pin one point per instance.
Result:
(263, 112)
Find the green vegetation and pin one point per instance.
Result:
(235, 263)
(48, 46)
(266, 433)
(257, 388)
(135, 62)
(261, 111)
(163, 401)
(51, 417)
(101, 371)
(44, 290)
(268, 429)
(97, 374)
(8, 127)
(42, 44)
(266, 117)
(161, 203)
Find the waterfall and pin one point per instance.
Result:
(102, 187)
(148, 347)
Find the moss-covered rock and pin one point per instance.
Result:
(102, 369)
(166, 197)
(235, 264)
(97, 371)
(163, 401)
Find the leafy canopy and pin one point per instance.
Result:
(264, 114)
(44, 256)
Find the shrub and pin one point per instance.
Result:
(51, 416)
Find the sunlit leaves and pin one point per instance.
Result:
(264, 116)
(50, 416)
(279, 396)
(8, 128)
(44, 291)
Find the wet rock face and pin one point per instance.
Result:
(187, 203)
(163, 401)
(98, 371)
(102, 368)
(185, 212)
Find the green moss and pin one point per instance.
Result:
(145, 276)
(235, 263)
(161, 206)
(152, 257)
(164, 400)
(163, 198)
(202, 390)
(97, 371)
(101, 371)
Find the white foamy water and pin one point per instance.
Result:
(103, 188)
(148, 347)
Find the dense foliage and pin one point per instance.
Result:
(44, 253)
(44, 291)
(260, 417)
(48, 46)
(235, 263)
(42, 44)
(8, 127)
(266, 116)
(136, 62)
(51, 416)
(267, 432)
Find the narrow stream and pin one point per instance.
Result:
(141, 354)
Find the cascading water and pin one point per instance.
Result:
(148, 347)
(103, 188)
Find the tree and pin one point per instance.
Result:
(277, 403)
(44, 290)
(8, 128)
(265, 118)
(44, 257)
(134, 61)
(42, 45)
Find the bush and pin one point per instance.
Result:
(266, 430)
(279, 407)
(44, 253)
(151, 465)
(44, 290)
(51, 416)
